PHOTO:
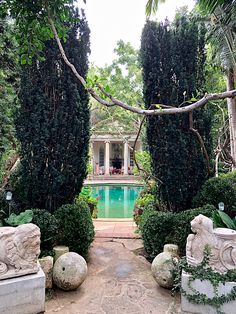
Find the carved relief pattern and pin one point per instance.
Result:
(19, 250)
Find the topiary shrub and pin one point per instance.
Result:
(216, 190)
(76, 228)
(182, 228)
(159, 228)
(49, 229)
(155, 227)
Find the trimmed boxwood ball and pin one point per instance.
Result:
(219, 189)
(75, 226)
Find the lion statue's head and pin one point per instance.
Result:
(202, 223)
(23, 249)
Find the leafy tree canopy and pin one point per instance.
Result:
(9, 79)
(40, 20)
(123, 79)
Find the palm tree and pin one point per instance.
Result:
(223, 29)
(206, 5)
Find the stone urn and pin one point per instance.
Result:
(163, 265)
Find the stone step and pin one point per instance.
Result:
(114, 178)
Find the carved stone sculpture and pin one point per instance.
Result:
(69, 271)
(221, 241)
(19, 250)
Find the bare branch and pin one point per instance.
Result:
(115, 102)
(200, 140)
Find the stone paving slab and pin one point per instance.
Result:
(115, 229)
(118, 282)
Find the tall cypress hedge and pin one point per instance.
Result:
(173, 59)
(53, 124)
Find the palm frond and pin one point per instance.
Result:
(209, 6)
(223, 31)
(152, 6)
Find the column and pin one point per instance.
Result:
(107, 158)
(126, 150)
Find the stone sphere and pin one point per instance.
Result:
(163, 265)
(69, 271)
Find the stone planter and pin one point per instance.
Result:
(205, 287)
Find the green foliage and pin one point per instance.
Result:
(86, 196)
(49, 230)
(9, 78)
(218, 189)
(173, 58)
(159, 228)
(122, 78)
(144, 161)
(32, 20)
(208, 6)
(23, 218)
(152, 6)
(145, 202)
(145, 199)
(53, 124)
(222, 220)
(75, 226)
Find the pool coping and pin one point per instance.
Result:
(114, 219)
(113, 182)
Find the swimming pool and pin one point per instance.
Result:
(115, 201)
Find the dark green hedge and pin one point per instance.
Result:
(49, 229)
(221, 189)
(159, 228)
(76, 228)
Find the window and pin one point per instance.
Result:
(131, 158)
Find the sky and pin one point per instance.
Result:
(112, 20)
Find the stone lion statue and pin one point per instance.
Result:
(19, 250)
(221, 241)
(202, 227)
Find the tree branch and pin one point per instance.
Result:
(200, 140)
(116, 102)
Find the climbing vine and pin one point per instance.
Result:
(203, 271)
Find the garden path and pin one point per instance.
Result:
(115, 228)
(119, 281)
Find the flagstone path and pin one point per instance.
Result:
(119, 281)
(116, 228)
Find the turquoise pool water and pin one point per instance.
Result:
(116, 201)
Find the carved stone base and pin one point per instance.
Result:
(206, 288)
(11, 272)
(23, 295)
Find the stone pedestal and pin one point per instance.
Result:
(23, 295)
(47, 267)
(206, 288)
(59, 250)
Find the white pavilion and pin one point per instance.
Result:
(112, 154)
